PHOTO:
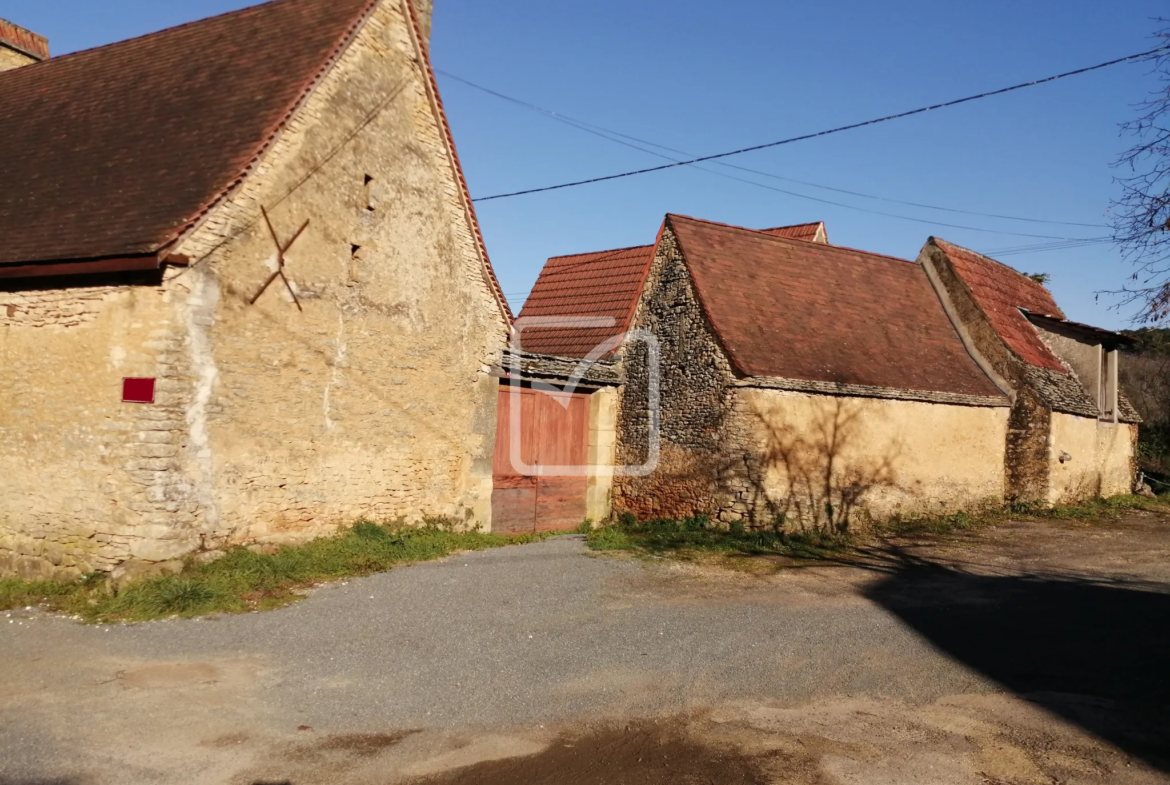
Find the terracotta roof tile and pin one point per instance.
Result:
(808, 232)
(600, 284)
(1001, 292)
(800, 310)
(603, 284)
(113, 151)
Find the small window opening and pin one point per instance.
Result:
(353, 251)
(369, 184)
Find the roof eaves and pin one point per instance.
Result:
(1076, 326)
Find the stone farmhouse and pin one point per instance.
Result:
(243, 293)
(802, 380)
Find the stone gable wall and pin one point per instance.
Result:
(1026, 451)
(270, 425)
(694, 375)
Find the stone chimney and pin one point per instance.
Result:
(424, 8)
(22, 47)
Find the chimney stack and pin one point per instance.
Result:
(22, 47)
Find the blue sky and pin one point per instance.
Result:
(705, 77)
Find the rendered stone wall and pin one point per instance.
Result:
(1026, 448)
(603, 405)
(271, 425)
(838, 462)
(10, 58)
(1049, 407)
(1098, 458)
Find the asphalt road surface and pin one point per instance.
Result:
(542, 662)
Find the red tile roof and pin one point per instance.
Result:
(1001, 292)
(799, 310)
(602, 284)
(113, 151)
(807, 232)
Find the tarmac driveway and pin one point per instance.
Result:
(928, 664)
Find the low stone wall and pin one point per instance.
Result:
(838, 462)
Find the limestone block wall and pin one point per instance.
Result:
(1098, 458)
(839, 462)
(270, 424)
(88, 481)
(10, 58)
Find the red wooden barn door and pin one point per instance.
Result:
(553, 432)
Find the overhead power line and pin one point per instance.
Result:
(619, 137)
(828, 132)
(605, 134)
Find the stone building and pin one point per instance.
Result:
(573, 328)
(1072, 433)
(243, 293)
(802, 381)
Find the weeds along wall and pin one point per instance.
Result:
(269, 424)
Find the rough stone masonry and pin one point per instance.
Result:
(268, 424)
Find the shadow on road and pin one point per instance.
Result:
(1095, 653)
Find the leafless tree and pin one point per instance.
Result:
(1141, 216)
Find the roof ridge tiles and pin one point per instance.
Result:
(599, 253)
(789, 240)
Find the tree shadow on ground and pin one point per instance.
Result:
(1096, 653)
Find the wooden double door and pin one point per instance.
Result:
(538, 493)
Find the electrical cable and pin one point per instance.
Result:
(827, 132)
(610, 134)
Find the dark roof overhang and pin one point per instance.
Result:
(1106, 337)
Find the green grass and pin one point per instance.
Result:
(696, 538)
(693, 537)
(243, 580)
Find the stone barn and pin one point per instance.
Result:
(243, 294)
(1072, 433)
(803, 381)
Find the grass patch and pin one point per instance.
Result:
(693, 537)
(243, 580)
(1092, 509)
